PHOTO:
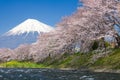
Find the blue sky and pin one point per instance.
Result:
(13, 12)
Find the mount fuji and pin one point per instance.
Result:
(24, 33)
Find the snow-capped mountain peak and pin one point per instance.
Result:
(29, 25)
(25, 33)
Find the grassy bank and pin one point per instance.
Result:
(112, 61)
(76, 61)
(19, 64)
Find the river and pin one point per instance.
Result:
(54, 74)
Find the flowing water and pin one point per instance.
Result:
(54, 74)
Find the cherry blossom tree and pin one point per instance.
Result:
(91, 22)
(76, 33)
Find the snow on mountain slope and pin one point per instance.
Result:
(30, 25)
(25, 33)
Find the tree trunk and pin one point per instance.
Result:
(117, 40)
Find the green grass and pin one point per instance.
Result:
(80, 60)
(76, 60)
(18, 64)
(111, 61)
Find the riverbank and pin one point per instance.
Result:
(106, 70)
(17, 64)
(95, 70)
(89, 61)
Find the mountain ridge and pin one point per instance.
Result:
(29, 25)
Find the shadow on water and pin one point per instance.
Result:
(54, 74)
